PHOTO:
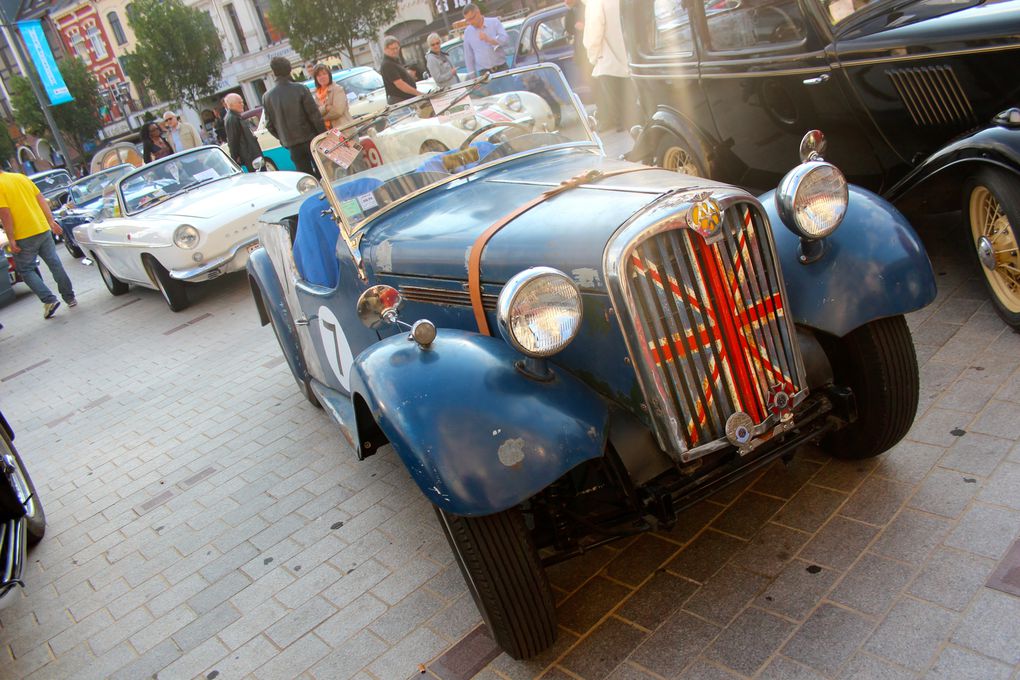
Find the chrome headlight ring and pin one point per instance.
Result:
(307, 183)
(513, 102)
(539, 311)
(186, 237)
(812, 199)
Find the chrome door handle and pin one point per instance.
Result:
(824, 78)
(301, 322)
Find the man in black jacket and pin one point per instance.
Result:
(292, 116)
(244, 148)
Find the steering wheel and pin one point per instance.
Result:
(786, 29)
(485, 128)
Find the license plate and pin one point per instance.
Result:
(253, 247)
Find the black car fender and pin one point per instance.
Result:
(667, 121)
(935, 182)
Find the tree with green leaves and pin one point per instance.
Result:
(178, 54)
(78, 120)
(6, 143)
(322, 28)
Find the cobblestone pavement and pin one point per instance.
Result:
(205, 521)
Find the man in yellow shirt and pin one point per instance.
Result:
(27, 220)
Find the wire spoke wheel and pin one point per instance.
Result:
(994, 237)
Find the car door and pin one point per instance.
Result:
(108, 236)
(328, 299)
(767, 75)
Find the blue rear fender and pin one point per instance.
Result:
(269, 300)
(476, 434)
(873, 266)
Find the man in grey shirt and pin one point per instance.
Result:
(485, 42)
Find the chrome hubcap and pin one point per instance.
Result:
(986, 253)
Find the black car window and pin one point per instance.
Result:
(748, 24)
(672, 28)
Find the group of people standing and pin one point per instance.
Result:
(173, 135)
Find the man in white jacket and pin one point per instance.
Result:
(603, 40)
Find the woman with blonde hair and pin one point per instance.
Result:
(331, 98)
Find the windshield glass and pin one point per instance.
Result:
(156, 182)
(50, 182)
(382, 158)
(90, 188)
(365, 82)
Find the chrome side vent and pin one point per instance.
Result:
(933, 96)
(440, 296)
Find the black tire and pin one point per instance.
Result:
(172, 290)
(113, 284)
(501, 567)
(73, 249)
(878, 363)
(679, 155)
(268, 165)
(303, 383)
(991, 212)
(36, 516)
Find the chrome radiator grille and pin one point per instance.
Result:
(713, 328)
(933, 95)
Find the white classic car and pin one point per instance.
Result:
(191, 216)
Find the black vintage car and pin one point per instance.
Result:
(22, 520)
(914, 95)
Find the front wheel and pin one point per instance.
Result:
(501, 567)
(268, 165)
(172, 290)
(18, 476)
(991, 206)
(878, 363)
(73, 249)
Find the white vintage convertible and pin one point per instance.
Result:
(191, 216)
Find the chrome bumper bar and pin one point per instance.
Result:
(208, 269)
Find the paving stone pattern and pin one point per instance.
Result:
(205, 521)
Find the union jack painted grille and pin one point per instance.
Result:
(714, 328)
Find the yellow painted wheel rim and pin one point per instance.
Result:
(995, 239)
(679, 159)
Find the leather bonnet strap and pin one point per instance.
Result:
(475, 260)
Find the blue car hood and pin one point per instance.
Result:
(432, 235)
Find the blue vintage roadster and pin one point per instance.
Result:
(565, 349)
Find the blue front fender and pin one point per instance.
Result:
(874, 266)
(477, 436)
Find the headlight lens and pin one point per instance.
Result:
(307, 184)
(812, 199)
(513, 102)
(539, 311)
(468, 122)
(186, 236)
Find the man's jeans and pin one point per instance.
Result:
(42, 245)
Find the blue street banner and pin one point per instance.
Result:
(45, 66)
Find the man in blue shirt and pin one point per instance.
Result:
(485, 42)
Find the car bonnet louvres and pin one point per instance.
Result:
(713, 330)
(933, 96)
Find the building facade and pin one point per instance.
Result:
(84, 36)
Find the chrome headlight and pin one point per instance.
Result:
(186, 236)
(539, 311)
(468, 122)
(307, 183)
(812, 199)
(513, 102)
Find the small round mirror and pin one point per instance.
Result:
(379, 305)
(258, 163)
(812, 146)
